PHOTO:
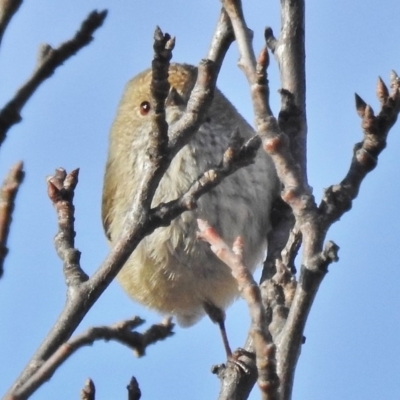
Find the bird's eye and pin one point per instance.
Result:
(144, 107)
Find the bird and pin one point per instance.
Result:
(171, 271)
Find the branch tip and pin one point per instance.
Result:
(71, 180)
(394, 81)
(369, 113)
(360, 105)
(89, 390)
(52, 191)
(94, 20)
(158, 33)
(331, 251)
(60, 172)
(170, 43)
(382, 91)
(134, 392)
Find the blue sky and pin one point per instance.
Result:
(352, 349)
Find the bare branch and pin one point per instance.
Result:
(7, 10)
(289, 51)
(120, 332)
(49, 60)
(234, 158)
(264, 347)
(243, 34)
(163, 46)
(60, 188)
(8, 193)
(275, 141)
(222, 39)
(313, 225)
(338, 198)
(200, 99)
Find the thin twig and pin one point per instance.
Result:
(338, 198)
(121, 332)
(60, 188)
(232, 160)
(8, 193)
(275, 141)
(289, 51)
(222, 39)
(314, 225)
(49, 60)
(163, 46)
(264, 347)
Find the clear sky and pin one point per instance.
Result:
(352, 349)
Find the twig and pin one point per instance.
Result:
(275, 141)
(314, 225)
(163, 46)
(49, 60)
(338, 198)
(279, 138)
(7, 10)
(200, 99)
(233, 159)
(60, 188)
(222, 39)
(282, 221)
(264, 347)
(8, 193)
(289, 51)
(120, 332)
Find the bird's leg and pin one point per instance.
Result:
(218, 317)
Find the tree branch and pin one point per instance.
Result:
(60, 188)
(7, 10)
(338, 198)
(287, 302)
(289, 51)
(120, 332)
(49, 60)
(264, 347)
(222, 39)
(235, 157)
(8, 193)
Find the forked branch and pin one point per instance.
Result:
(49, 59)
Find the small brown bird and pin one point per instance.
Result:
(171, 271)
